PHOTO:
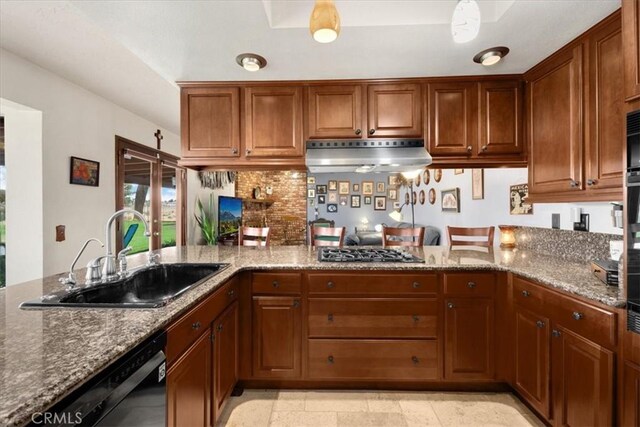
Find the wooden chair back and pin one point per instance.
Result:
(259, 236)
(326, 236)
(457, 235)
(413, 236)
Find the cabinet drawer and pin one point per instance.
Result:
(373, 318)
(276, 283)
(379, 284)
(373, 359)
(183, 332)
(469, 284)
(591, 322)
(528, 295)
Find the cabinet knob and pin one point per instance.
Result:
(416, 318)
(577, 316)
(526, 294)
(156, 233)
(471, 285)
(247, 152)
(275, 284)
(415, 285)
(330, 317)
(484, 148)
(575, 184)
(219, 328)
(330, 285)
(555, 333)
(372, 131)
(591, 182)
(451, 306)
(469, 148)
(296, 303)
(540, 324)
(234, 151)
(330, 360)
(231, 293)
(415, 360)
(196, 325)
(358, 131)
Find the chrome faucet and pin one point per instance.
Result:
(109, 271)
(70, 280)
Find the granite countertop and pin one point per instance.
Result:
(47, 353)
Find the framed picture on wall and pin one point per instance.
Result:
(355, 201)
(477, 184)
(517, 196)
(84, 172)
(380, 187)
(333, 197)
(332, 208)
(343, 200)
(367, 188)
(367, 200)
(311, 180)
(311, 193)
(450, 200)
(458, 171)
(322, 199)
(380, 203)
(333, 185)
(344, 187)
(355, 188)
(393, 180)
(321, 189)
(393, 194)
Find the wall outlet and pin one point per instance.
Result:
(555, 221)
(60, 233)
(583, 225)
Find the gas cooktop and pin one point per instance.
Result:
(365, 255)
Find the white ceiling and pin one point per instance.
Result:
(132, 52)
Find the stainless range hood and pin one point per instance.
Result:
(389, 155)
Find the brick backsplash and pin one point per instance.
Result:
(287, 216)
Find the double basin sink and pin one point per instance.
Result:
(149, 287)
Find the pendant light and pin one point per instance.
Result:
(465, 23)
(324, 23)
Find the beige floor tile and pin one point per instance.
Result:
(533, 420)
(252, 409)
(290, 401)
(381, 402)
(476, 413)
(510, 400)
(419, 419)
(336, 401)
(304, 419)
(370, 419)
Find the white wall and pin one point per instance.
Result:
(79, 123)
(494, 209)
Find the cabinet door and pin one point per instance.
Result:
(631, 40)
(210, 122)
(394, 110)
(606, 105)
(469, 331)
(500, 118)
(189, 386)
(277, 337)
(452, 114)
(335, 111)
(582, 381)
(554, 119)
(273, 122)
(225, 357)
(532, 359)
(631, 395)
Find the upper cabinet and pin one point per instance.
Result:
(631, 43)
(394, 110)
(211, 122)
(273, 121)
(335, 112)
(500, 118)
(453, 110)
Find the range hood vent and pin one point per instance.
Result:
(388, 155)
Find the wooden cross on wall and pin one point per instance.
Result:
(159, 138)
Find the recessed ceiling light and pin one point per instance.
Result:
(324, 22)
(251, 61)
(465, 23)
(491, 56)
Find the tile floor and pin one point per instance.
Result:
(370, 408)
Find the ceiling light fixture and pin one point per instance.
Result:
(465, 23)
(324, 23)
(251, 61)
(491, 56)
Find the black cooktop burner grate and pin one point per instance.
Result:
(365, 255)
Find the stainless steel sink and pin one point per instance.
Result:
(149, 287)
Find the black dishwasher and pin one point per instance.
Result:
(129, 392)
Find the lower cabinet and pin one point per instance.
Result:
(469, 339)
(582, 375)
(630, 395)
(189, 386)
(277, 337)
(225, 357)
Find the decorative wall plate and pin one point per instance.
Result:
(422, 197)
(432, 196)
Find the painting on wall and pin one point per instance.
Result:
(426, 176)
(333, 197)
(367, 188)
(422, 197)
(380, 203)
(333, 185)
(380, 187)
(321, 189)
(344, 187)
(437, 175)
(432, 196)
(322, 199)
(367, 200)
(311, 193)
(458, 171)
(517, 196)
(393, 194)
(84, 172)
(451, 200)
(477, 184)
(393, 180)
(332, 208)
(343, 200)
(311, 180)
(355, 201)
(355, 188)
(417, 180)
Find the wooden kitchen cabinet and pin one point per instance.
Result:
(335, 112)
(501, 124)
(469, 339)
(277, 337)
(582, 380)
(452, 118)
(210, 122)
(189, 386)
(273, 121)
(631, 43)
(532, 364)
(394, 110)
(225, 357)
(630, 395)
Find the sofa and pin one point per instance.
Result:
(374, 238)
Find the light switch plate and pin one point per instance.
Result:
(555, 221)
(60, 233)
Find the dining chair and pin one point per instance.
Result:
(258, 236)
(470, 236)
(326, 236)
(398, 236)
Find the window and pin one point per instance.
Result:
(150, 182)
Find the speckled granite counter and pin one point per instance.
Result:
(45, 354)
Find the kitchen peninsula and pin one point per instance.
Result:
(48, 353)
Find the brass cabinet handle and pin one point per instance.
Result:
(591, 182)
(247, 151)
(275, 284)
(526, 294)
(234, 151)
(330, 360)
(575, 184)
(471, 285)
(330, 317)
(330, 285)
(540, 324)
(219, 328)
(555, 333)
(196, 325)
(372, 131)
(296, 303)
(415, 360)
(358, 131)
(577, 315)
(469, 148)
(451, 306)
(415, 285)
(484, 148)
(231, 293)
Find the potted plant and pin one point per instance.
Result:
(205, 221)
